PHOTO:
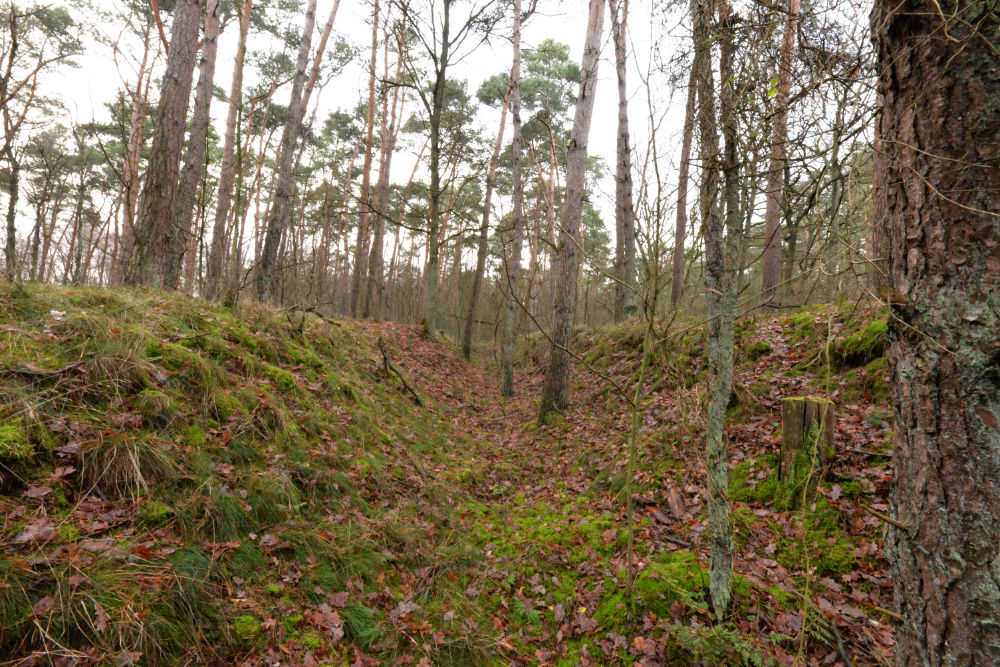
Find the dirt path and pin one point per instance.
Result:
(547, 508)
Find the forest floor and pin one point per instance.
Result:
(548, 506)
(185, 484)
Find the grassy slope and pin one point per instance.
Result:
(256, 482)
(208, 485)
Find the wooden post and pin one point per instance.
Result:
(806, 444)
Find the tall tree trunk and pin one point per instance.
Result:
(491, 177)
(374, 297)
(364, 206)
(939, 125)
(680, 225)
(626, 297)
(878, 245)
(771, 273)
(717, 302)
(132, 179)
(154, 233)
(10, 248)
(512, 258)
(216, 256)
(267, 278)
(434, 222)
(194, 160)
(555, 396)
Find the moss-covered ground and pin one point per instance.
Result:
(188, 484)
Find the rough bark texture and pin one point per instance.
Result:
(364, 206)
(512, 261)
(680, 225)
(626, 299)
(555, 396)
(194, 161)
(720, 307)
(154, 233)
(776, 169)
(216, 256)
(484, 225)
(939, 78)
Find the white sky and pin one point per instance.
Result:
(85, 90)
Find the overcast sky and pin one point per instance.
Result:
(87, 89)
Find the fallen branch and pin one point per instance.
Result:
(40, 372)
(389, 366)
(884, 517)
(868, 452)
(882, 610)
(312, 309)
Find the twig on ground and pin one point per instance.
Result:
(389, 366)
(39, 372)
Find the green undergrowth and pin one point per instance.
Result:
(819, 540)
(552, 557)
(192, 477)
(842, 338)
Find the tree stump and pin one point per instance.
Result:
(806, 445)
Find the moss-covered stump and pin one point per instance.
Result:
(806, 445)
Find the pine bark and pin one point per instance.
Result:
(555, 396)
(626, 298)
(937, 69)
(227, 175)
(776, 170)
(154, 233)
(194, 161)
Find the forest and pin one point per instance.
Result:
(500, 332)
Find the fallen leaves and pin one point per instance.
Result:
(38, 531)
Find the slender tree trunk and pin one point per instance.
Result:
(361, 248)
(434, 222)
(10, 248)
(878, 247)
(154, 234)
(194, 160)
(512, 269)
(375, 296)
(776, 170)
(555, 396)
(130, 172)
(680, 229)
(717, 303)
(937, 67)
(267, 278)
(491, 177)
(213, 271)
(626, 297)
(277, 221)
